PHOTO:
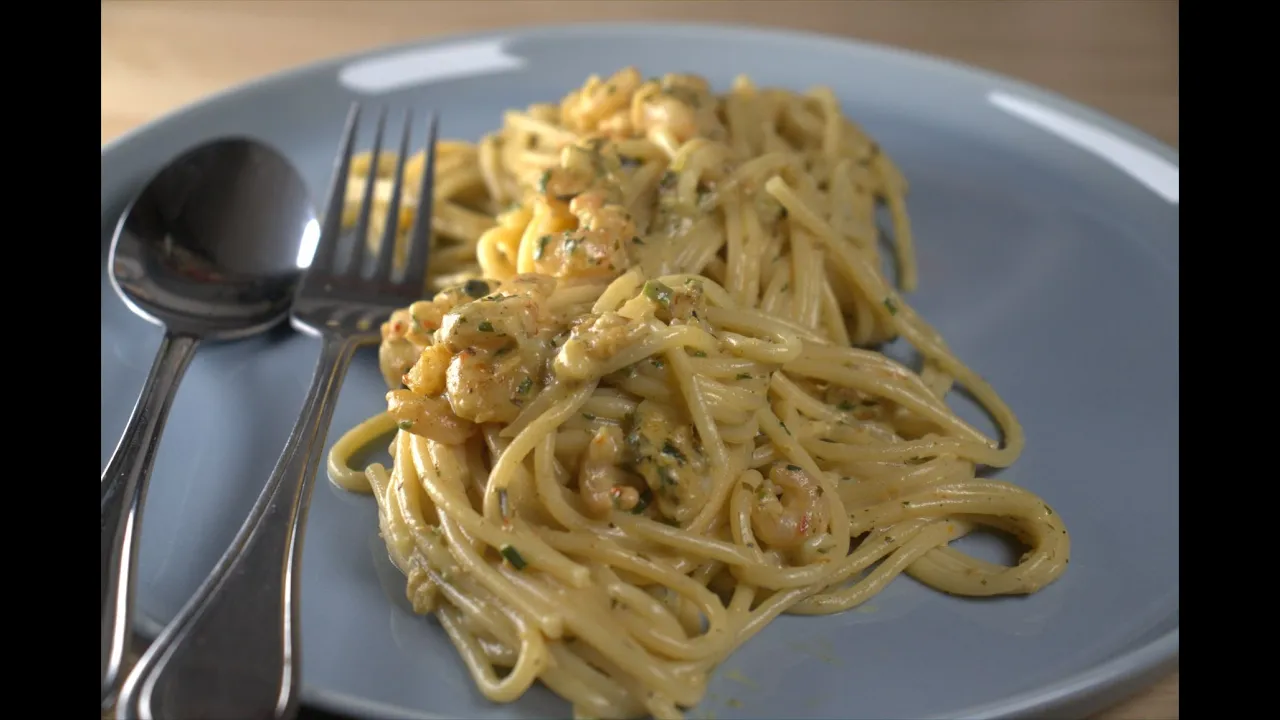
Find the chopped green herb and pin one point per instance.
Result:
(542, 247)
(658, 293)
(513, 556)
(588, 416)
(784, 427)
(672, 451)
(570, 244)
(485, 326)
(542, 181)
(794, 468)
(1048, 509)
(525, 385)
(637, 240)
(699, 353)
(744, 376)
(646, 497)
(845, 406)
(762, 493)
(475, 288)
(668, 180)
(505, 349)
(404, 424)
(658, 363)
(891, 305)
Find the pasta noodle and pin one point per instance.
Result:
(644, 411)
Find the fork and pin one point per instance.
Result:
(233, 650)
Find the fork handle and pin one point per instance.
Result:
(124, 489)
(232, 651)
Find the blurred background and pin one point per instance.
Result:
(1119, 56)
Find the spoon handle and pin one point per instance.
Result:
(124, 489)
(232, 652)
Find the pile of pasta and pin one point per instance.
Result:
(643, 411)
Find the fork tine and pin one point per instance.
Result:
(355, 264)
(331, 230)
(387, 249)
(415, 271)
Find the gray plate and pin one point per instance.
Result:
(1048, 243)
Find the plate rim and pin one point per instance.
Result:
(1121, 676)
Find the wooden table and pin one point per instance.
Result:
(1119, 56)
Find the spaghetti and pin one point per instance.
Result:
(643, 413)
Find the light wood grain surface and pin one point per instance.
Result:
(1120, 56)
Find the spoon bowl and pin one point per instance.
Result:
(213, 248)
(216, 242)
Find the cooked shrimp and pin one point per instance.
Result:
(605, 335)
(499, 346)
(408, 331)
(395, 357)
(429, 417)
(618, 125)
(416, 322)
(597, 248)
(682, 106)
(562, 185)
(427, 376)
(789, 508)
(681, 305)
(490, 324)
(601, 480)
(488, 387)
(583, 110)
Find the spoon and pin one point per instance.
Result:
(211, 249)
